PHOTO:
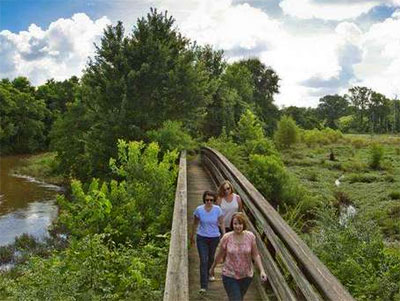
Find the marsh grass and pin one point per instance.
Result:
(371, 191)
(6, 254)
(42, 167)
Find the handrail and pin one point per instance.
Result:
(177, 277)
(284, 254)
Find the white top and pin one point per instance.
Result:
(229, 208)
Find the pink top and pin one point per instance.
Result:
(238, 260)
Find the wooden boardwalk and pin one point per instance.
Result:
(198, 181)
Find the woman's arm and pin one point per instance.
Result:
(240, 203)
(221, 224)
(196, 221)
(219, 256)
(257, 259)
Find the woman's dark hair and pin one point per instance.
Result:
(209, 193)
(241, 218)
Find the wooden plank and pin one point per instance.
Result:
(278, 282)
(321, 277)
(177, 278)
(198, 181)
(306, 288)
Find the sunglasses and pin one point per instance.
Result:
(227, 188)
(209, 200)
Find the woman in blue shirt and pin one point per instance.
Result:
(208, 220)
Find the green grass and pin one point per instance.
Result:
(41, 167)
(374, 192)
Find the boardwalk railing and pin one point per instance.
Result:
(294, 272)
(177, 278)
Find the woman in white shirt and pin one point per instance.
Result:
(229, 202)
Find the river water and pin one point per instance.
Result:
(26, 205)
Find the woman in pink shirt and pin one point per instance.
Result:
(238, 248)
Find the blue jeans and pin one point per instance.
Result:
(236, 288)
(206, 247)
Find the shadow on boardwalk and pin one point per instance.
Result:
(198, 181)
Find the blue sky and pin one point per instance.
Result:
(17, 15)
(317, 47)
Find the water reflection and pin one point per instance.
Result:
(26, 205)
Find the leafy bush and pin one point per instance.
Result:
(361, 178)
(172, 136)
(354, 166)
(356, 255)
(6, 254)
(91, 269)
(234, 152)
(141, 203)
(376, 156)
(320, 137)
(248, 128)
(395, 195)
(312, 176)
(287, 132)
(268, 174)
(358, 142)
(26, 242)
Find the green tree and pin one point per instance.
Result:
(172, 136)
(378, 111)
(134, 84)
(21, 124)
(331, 108)
(266, 84)
(248, 128)
(360, 98)
(287, 132)
(306, 118)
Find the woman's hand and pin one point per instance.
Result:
(211, 271)
(263, 276)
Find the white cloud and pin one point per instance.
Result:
(328, 10)
(380, 66)
(58, 52)
(310, 65)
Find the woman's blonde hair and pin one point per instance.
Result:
(221, 190)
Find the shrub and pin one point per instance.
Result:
(312, 176)
(354, 166)
(6, 254)
(93, 269)
(376, 156)
(172, 136)
(268, 174)
(287, 132)
(395, 195)
(262, 146)
(140, 202)
(248, 128)
(358, 142)
(234, 152)
(389, 178)
(342, 198)
(362, 178)
(26, 242)
(356, 255)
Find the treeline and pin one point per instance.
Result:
(158, 90)
(361, 110)
(161, 92)
(28, 112)
(136, 84)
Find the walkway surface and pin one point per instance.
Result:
(198, 181)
